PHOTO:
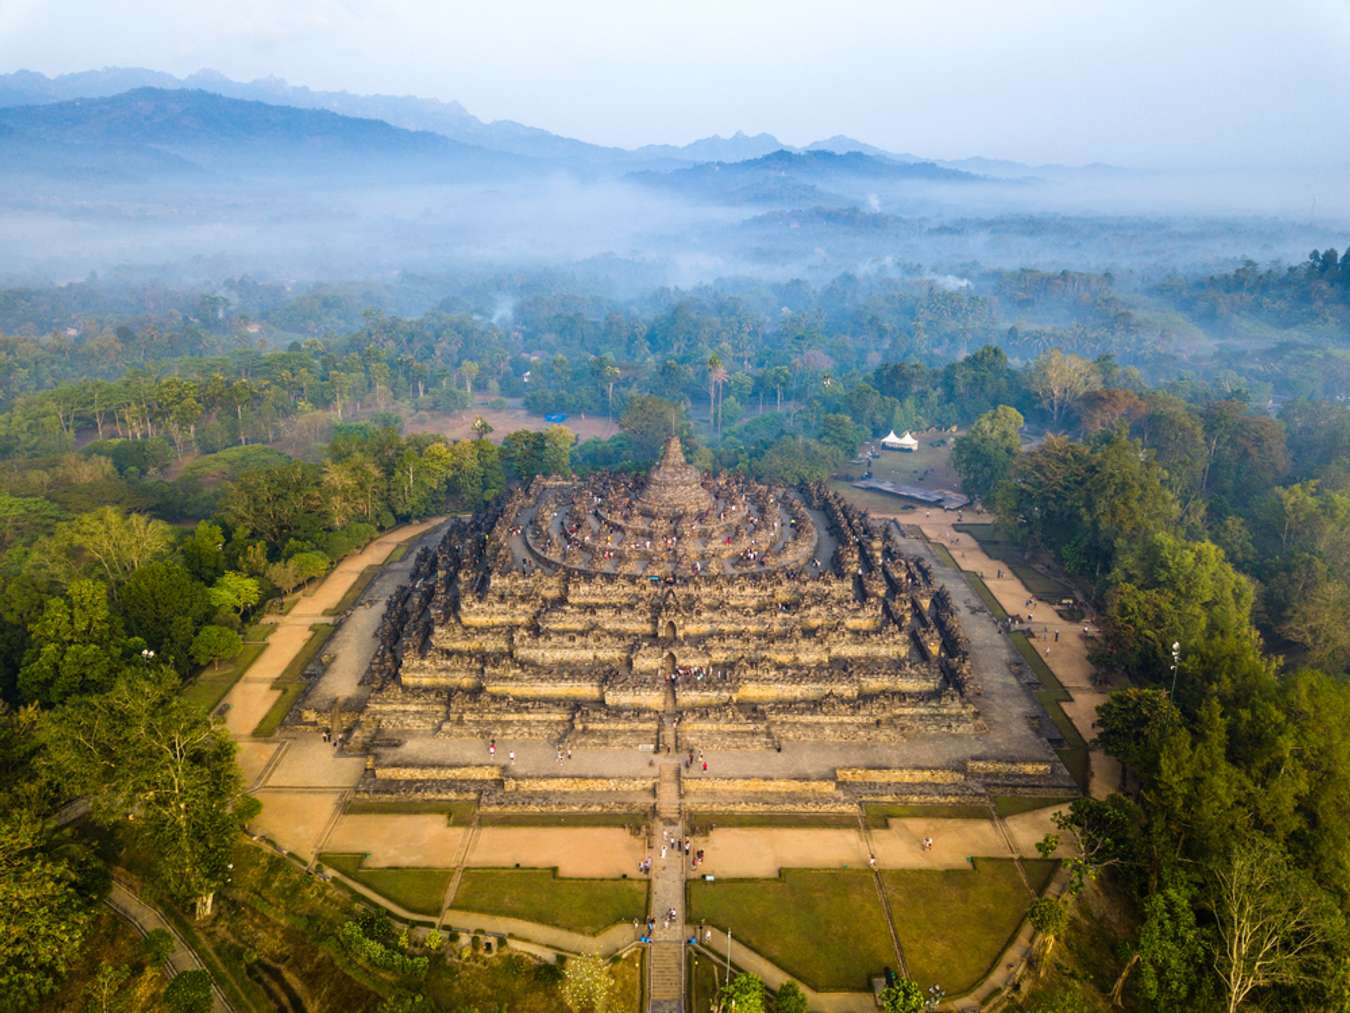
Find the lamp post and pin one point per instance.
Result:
(1176, 662)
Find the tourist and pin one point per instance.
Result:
(510, 757)
(492, 747)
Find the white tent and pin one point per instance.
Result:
(892, 442)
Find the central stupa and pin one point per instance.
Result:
(674, 486)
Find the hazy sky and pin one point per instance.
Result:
(1143, 82)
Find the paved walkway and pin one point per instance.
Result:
(1067, 657)
(147, 919)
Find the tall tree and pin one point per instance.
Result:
(983, 457)
(155, 765)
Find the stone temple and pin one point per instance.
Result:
(811, 650)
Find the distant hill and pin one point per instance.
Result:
(450, 119)
(787, 177)
(150, 131)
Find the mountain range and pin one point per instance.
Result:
(156, 131)
(452, 121)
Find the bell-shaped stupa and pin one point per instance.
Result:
(674, 486)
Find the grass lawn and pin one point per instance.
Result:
(358, 588)
(290, 681)
(539, 895)
(210, 685)
(399, 551)
(1010, 554)
(418, 890)
(702, 823)
(987, 596)
(879, 812)
(457, 813)
(954, 923)
(1050, 695)
(823, 926)
(1013, 805)
(561, 819)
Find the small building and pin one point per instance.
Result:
(907, 443)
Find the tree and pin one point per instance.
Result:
(789, 999)
(840, 432)
(1109, 407)
(1273, 927)
(44, 916)
(164, 604)
(1058, 380)
(214, 644)
(587, 985)
(1133, 726)
(155, 765)
(1049, 916)
(283, 576)
(650, 421)
(1172, 950)
(75, 647)
(235, 592)
(481, 427)
(983, 457)
(190, 992)
(309, 565)
(792, 460)
(904, 996)
(274, 502)
(743, 994)
(1104, 833)
(108, 543)
(157, 947)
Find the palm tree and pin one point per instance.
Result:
(610, 375)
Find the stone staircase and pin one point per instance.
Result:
(666, 977)
(665, 956)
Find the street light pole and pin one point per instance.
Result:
(1176, 661)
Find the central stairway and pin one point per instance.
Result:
(665, 957)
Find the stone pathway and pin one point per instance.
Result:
(122, 899)
(1067, 657)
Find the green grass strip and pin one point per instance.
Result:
(540, 895)
(458, 813)
(1015, 805)
(878, 813)
(210, 686)
(703, 822)
(955, 923)
(825, 927)
(358, 588)
(577, 819)
(418, 890)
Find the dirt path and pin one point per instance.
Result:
(1067, 656)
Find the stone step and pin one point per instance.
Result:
(667, 971)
